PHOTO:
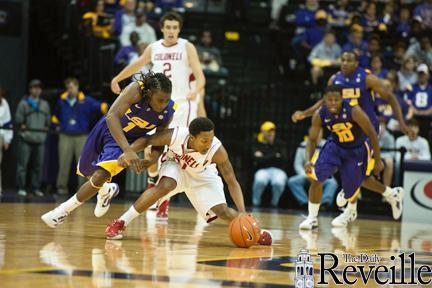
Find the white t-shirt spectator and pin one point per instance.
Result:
(146, 34)
(417, 149)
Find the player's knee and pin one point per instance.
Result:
(166, 185)
(100, 176)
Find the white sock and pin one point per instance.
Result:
(313, 210)
(388, 192)
(352, 206)
(71, 204)
(129, 215)
(105, 188)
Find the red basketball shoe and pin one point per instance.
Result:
(114, 231)
(162, 211)
(265, 238)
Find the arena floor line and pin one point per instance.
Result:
(183, 253)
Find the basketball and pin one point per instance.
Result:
(244, 231)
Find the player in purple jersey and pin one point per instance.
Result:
(143, 106)
(347, 149)
(359, 86)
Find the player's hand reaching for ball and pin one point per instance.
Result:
(115, 88)
(132, 160)
(379, 166)
(298, 116)
(308, 168)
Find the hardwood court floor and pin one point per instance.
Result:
(182, 253)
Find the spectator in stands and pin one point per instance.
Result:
(421, 94)
(370, 21)
(339, 14)
(424, 10)
(6, 133)
(145, 32)
(421, 51)
(72, 117)
(389, 17)
(305, 17)
(373, 48)
(397, 57)
(406, 75)
(270, 158)
(355, 41)
(32, 113)
(417, 147)
(325, 55)
(403, 27)
(376, 67)
(125, 55)
(314, 35)
(209, 55)
(298, 182)
(125, 16)
(165, 5)
(386, 141)
(99, 22)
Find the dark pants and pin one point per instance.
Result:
(35, 153)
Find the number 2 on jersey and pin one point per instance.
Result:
(167, 69)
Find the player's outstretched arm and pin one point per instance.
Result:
(377, 86)
(132, 68)
(360, 117)
(302, 114)
(161, 138)
(225, 168)
(312, 141)
(196, 71)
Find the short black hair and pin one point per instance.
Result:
(333, 88)
(200, 124)
(412, 122)
(353, 52)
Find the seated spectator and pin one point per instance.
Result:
(370, 21)
(386, 141)
(417, 147)
(125, 16)
(209, 55)
(165, 5)
(403, 27)
(72, 117)
(305, 17)
(270, 158)
(373, 48)
(421, 94)
(339, 14)
(388, 17)
(406, 75)
(99, 22)
(125, 55)
(298, 183)
(355, 41)
(421, 51)
(32, 113)
(314, 35)
(394, 62)
(376, 67)
(6, 134)
(145, 32)
(325, 54)
(424, 11)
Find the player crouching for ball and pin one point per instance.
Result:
(188, 166)
(347, 149)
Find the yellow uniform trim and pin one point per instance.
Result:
(370, 161)
(78, 172)
(175, 106)
(353, 198)
(55, 120)
(104, 108)
(111, 166)
(312, 175)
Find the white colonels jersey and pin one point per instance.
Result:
(173, 62)
(190, 161)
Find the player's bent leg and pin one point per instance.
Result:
(85, 192)
(115, 229)
(152, 177)
(315, 195)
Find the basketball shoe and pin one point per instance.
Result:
(396, 201)
(265, 238)
(54, 217)
(309, 224)
(114, 230)
(104, 200)
(162, 211)
(349, 215)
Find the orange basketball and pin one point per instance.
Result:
(244, 231)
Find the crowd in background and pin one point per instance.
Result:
(392, 39)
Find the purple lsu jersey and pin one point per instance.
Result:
(101, 149)
(355, 91)
(346, 150)
(421, 97)
(343, 130)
